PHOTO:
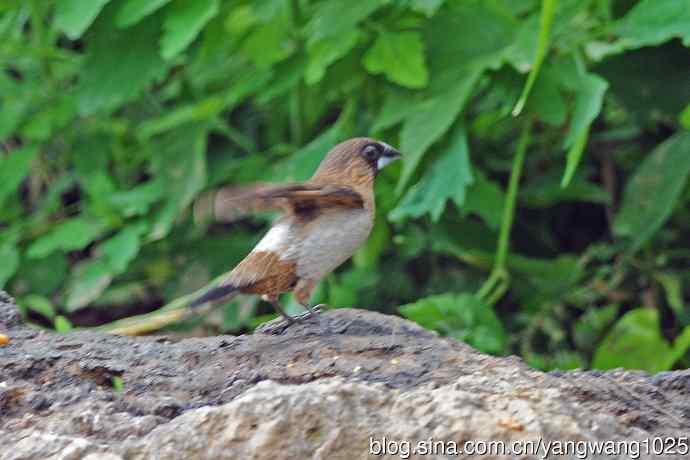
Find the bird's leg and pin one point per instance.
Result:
(303, 292)
(279, 308)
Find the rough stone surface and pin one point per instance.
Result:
(329, 388)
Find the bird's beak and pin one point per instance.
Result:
(388, 157)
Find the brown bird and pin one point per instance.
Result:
(324, 221)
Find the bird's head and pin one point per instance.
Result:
(359, 159)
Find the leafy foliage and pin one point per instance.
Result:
(541, 207)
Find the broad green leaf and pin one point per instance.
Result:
(89, 279)
(463, 317)
(430, 121)
(13, 169)
(58, 113)
(592, 324)
(653, 191)
(685, 117)
(427, 7)
(335, 19)
(486, 199)
(134, 11)
(546, 100)
(325, 52)
(635, 342)
(447, 178)
(680, 347)
(472, 34)
(455, 65)
(548, 9)
(9, 255)
(652, 22)
(70, 235)
(180, 161)
(269, 43)
(302, 164)
(122, 248)
(39, 304)
(397, 105)
(671, 283)
(588, 100)
(137, 200)
(62, 324)
(400, 56)
(183, 22)
(73, 17)
(650, 83)
(119, 64)
(43, 276)
(367, 256)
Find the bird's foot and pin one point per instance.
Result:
(277, 327)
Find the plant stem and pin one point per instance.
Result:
(500, 274)
(297, 95)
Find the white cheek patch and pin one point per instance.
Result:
(275, 239)
(383, 161)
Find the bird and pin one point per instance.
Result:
(323, 222)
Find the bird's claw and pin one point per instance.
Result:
(278, 327)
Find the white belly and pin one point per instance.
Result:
(339, 235)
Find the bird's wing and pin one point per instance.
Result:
(230, 203)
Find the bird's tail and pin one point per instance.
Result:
(216, 293)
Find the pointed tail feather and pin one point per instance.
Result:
(216, 293)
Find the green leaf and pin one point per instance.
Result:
(121, 249)
(325, 52)
(548, 9)
(39, 304)
(684, 117)
(137, 200)
(589, 98)
(430, 121)
(10, 262)
(463, 317)
(134, 11)
(400, 56)
(426, 7)
(635, 343)
(573, 157)
(270, 43)
(70, 235)
(592, 324)
(652, 22)
(641, 81)
(13, 169)
(87, 281)
(43, 276)
(119, 64)
(396, 107)
(335, 19)
(653, 191)
(183, 22)
(180, 162)
(73, 17)
(473, 34)
(486, 199)
(62, 324)
(680, 347)
(671, 283)
(448, 178)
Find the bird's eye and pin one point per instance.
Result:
(371, 151)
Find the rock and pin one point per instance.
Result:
(345, 384)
